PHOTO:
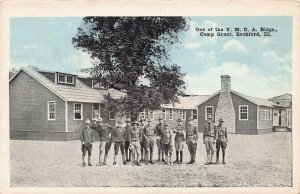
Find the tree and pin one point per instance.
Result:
(127, 50)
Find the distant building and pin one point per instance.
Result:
(282, 112)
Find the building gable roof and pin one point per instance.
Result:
(285, 96)
(78, 93)
(254, 100)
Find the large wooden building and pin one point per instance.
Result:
(54, 106)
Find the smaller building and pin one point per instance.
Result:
(282, 118)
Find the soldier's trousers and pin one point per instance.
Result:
(86, 148)
(209, 144)
(149, 147)
(222, 144)
(121, 146)
(192, 147)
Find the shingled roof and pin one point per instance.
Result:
(78, 93)
(187, 102)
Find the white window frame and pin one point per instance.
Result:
(170, 114)
(99, 108)
(111, 119)
(81, 111)
(182, 114)
(147, 113)
(164, 114)
(213, 112)
(48, 110)
(66, 78)
(240, 106)
(196, 113)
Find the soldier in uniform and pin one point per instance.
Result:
(134, 139)
(222, 140)
(159, 130)
(87, 138)
(118, 137)
(127, 143)
(191, 139)
(103, 130)
(209, 139)
(168, 143)
(142, 141)
(148, 134)
(179, 141)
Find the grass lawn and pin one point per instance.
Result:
(252, 161)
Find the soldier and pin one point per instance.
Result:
(191, 139)
(159, 133)
(209, 139)
(142, 141)
(118, 137)
(168, 143)
(222, 140)
(134, 139)
(127, 143)
(148, 134)
(103, 131)
(179, 141)
(87, 138)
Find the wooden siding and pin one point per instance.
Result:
(201, 110)
(246, 125)
(28, 106)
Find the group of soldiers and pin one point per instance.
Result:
(136, 141)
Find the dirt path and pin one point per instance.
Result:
(252, 160)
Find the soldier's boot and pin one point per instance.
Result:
(158, 155)
(83, 162)
(105, 159)
(217, 156)
(123, 159)
(126, 155)
(142, 156)
(146, 159)
(211, 158)
(130, 153)
(191, 161)
(194, 157)
(224, 157)
(115, 156)
(207, 159)
(151, 157)
(162, 156)
(171, 161)
(89, 161)
(177, 160)
(181, 156)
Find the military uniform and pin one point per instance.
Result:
(209, 138)
(221, 137)
(159, 130)
(168, 144)
(148, 134)
(142, 141)
(191, 140)
(103, 131)
(134, 139)
(118, 137)
(179, 141)
(87, 138)
(127, 143)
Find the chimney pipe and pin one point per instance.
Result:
(225, 83)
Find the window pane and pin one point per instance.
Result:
(61, 78)
(77, 115)
(171, 114)
(70, 79)
(78, 107)
(112, 115)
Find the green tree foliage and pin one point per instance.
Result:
(127, 50)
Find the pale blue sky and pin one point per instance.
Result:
(258, 66)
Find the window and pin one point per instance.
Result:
(267, 114)
(96, 85)
(182, 114)
(163, 114)
(209, 110)
(261, 113)
(271, 115)
(78, 111)
(66, 79)
(170, 114)
(96, 111)
(243, 112)
(195, 114)
(51, 110)
(61, 78)
(112, 115)
(146, 114)
(70, 79)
